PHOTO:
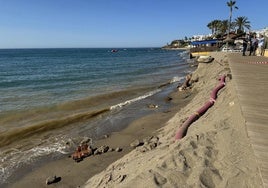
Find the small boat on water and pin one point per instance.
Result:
(114, 50)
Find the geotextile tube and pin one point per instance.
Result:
(182, 131)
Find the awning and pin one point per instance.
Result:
(212, 41)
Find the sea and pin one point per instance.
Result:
(51, 97)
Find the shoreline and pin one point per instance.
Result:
(216, 152)
(67, 168)
(175, 48)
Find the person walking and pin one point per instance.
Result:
(245, 45)
(253, 45)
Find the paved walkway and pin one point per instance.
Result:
(250, 74)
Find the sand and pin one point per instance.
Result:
(76, 174)
(216, 151)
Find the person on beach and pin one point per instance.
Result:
(245, 45)
(260, 49)
(253, 45)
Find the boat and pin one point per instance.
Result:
(114, 50)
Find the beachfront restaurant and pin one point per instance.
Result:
(203, 47)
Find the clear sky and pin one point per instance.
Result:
(115, 23)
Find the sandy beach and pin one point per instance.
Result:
(76, 174)
(216, 151)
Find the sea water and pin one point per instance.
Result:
(52, 96)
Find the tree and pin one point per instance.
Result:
(224, 27)
(242, 23)
(231, 4)
(214, 26)
(220, 27)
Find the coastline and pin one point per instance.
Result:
(76, 174)
(175, 48)
(34, 134)
(215, 151)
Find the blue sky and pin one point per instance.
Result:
(114, 23)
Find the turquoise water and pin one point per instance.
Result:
(48, 96)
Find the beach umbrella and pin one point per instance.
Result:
(239, 41)
(228, 40)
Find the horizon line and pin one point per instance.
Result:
(21, 48)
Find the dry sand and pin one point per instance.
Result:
(216, 151)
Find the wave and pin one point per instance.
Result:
(38, 121)
(134, 99)
(96, 102)
(12, 159)
(44, 120)
(176, 79)
(12, 156)
(173, 80)
(184, 54)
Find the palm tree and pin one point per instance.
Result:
(242, 23)
(219, 24)
(214, 26)
(231, 4)
(224, 26)
(210, 27)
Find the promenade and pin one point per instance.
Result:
(250, 74)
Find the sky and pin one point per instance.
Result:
(115, 23)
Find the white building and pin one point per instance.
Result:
(200, 37)
(261, 31)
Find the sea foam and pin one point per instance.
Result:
(120, 105)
